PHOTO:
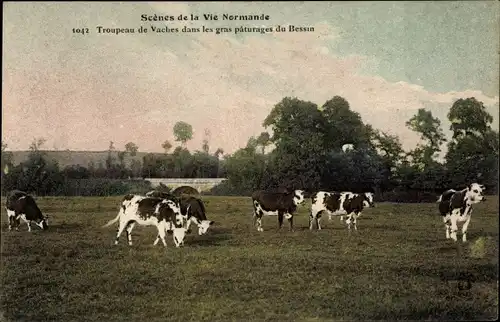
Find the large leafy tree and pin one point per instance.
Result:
(343, 125)
(473, 151)
(299, 136)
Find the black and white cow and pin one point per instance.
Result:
(21, 205)
(456, 207)
(339, 204)
(165, 214)
(281, 204)
(193, 210)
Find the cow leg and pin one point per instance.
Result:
(188, 224)
(313, 216)
(348, 221)
(161, 234)
(11, 221)
(121, 227)
(447, 226)
(355, 216)
(454, 228)
(280, 219)
(11, 214)
(257, 216)
(165, 229)
(129, 228)
(17, 222)
(28, 222)
(290, 220)
(464, 230)
(318, 219)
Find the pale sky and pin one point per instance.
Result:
(388, 59)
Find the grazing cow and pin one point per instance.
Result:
(275, 203)
(456, 206)
(338, 204)
(148, 211)
(193, 210)
(20, 205)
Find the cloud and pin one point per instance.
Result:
(135, 88)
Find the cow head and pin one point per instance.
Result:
(203, 226)
(178, 235)
(368, 202)
(43, 223)
(299, 197)
(474, 193)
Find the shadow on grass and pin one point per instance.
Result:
(209, 239)
(67, 227)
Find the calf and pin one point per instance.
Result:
(147, 211)
(20, 205)
(338, 204)
(275, 204)
(456, 207)
(193, 210)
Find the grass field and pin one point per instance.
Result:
(397, 266)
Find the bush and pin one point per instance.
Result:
(104, 187)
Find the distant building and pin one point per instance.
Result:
(200, 184)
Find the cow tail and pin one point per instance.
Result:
(112, 221)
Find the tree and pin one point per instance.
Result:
(166, 146)
(343, 126)
(244, 170)
(37, 174)
(430, 132)
(389, 147)
(263, 140)
(205, 147)
(131, 148)
(183, 132)
(474, 149)
(121, 158)
(299, 136)
(469, 116)
(110, 158)
(392, 156)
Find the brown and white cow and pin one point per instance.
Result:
(20, 205)
(456, 207)
(165, 214)
(281, 204)
(339, 204)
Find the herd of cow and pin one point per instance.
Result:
(175, 214)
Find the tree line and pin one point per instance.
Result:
(304, 146)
